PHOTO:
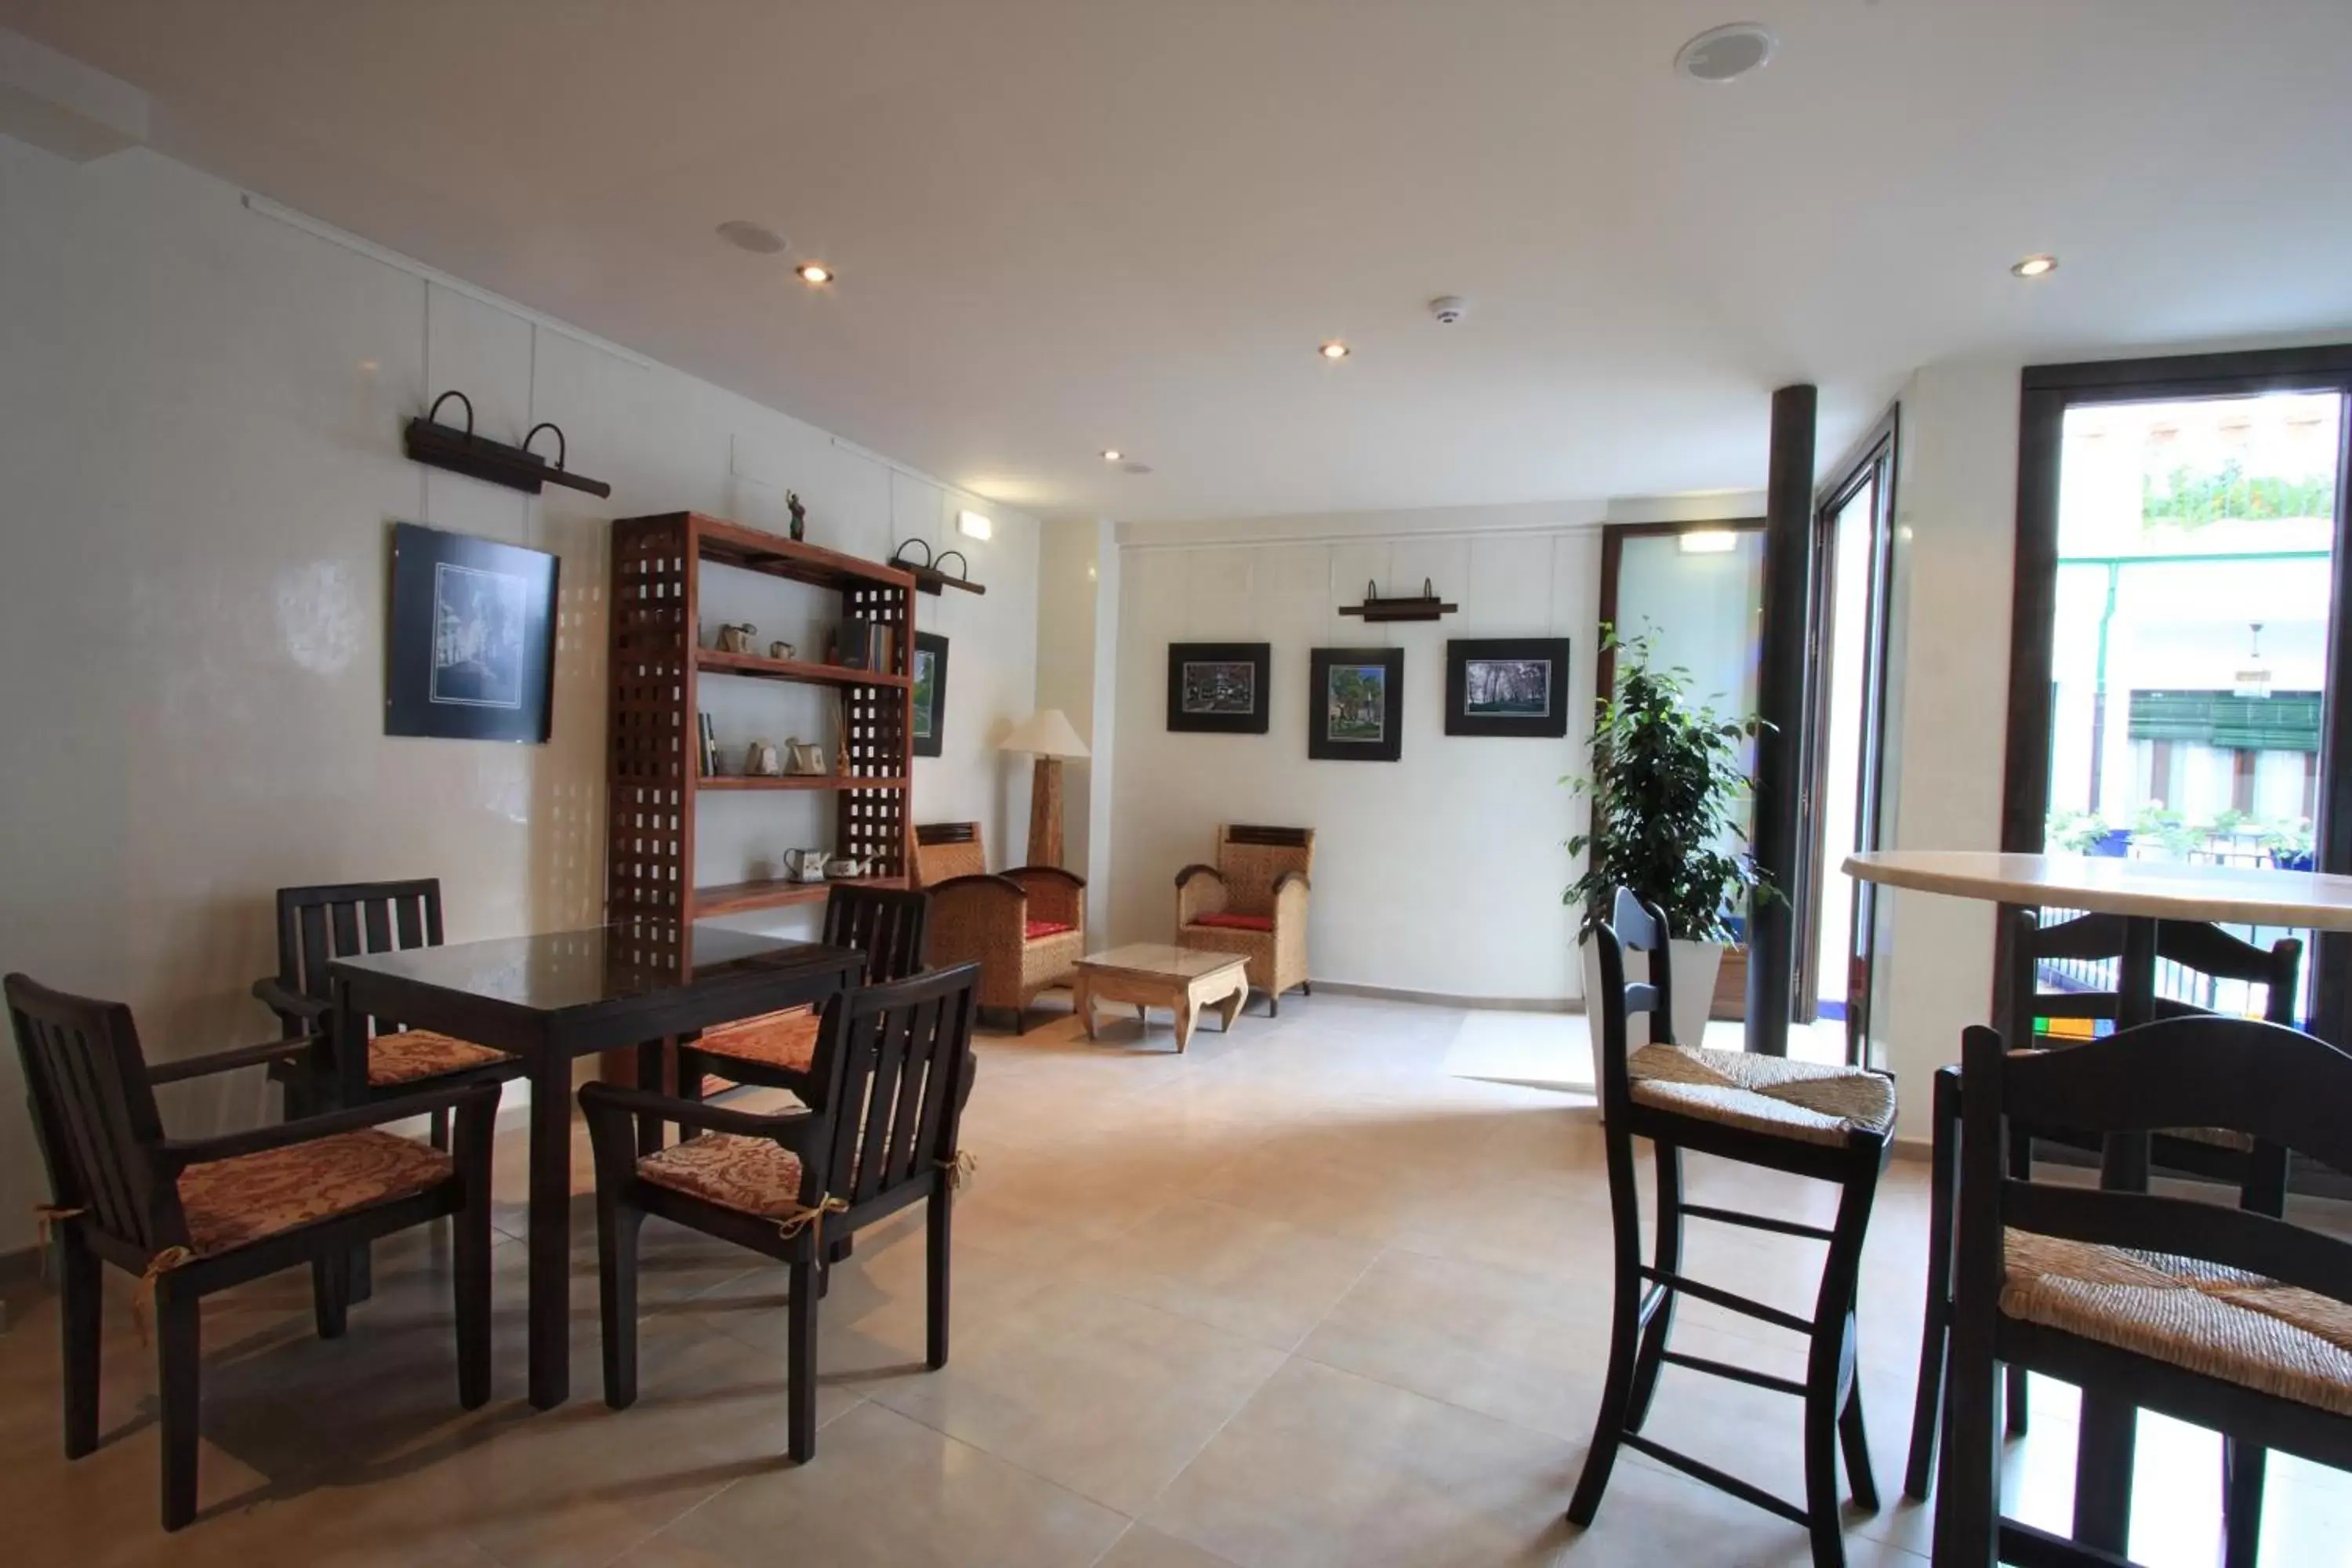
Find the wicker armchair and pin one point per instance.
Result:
(1252, 902)
(1025, 928)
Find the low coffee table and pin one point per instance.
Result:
(1153, 974)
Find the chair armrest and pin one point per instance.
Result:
(1199, 891)
(295, 1007)
(1287, 878)
(703, 1117)
(175, 1154)
(986, 885)
(228, 1061)
(1053, 894)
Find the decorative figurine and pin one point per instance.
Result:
(735, 636)
(784, 650)
(799, 513)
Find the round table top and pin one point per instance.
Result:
(2166, 890)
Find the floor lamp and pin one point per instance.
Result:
(1047, 734)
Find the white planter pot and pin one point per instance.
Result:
(1696, 965)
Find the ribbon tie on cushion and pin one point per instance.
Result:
(960, 1168)
(45, 1223)
(797, 1219)
(143, 1298)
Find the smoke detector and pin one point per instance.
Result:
(1723, 54)
(1449, 309)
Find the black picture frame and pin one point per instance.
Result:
(1487, 687)
(1209, 692)
(927, 713)
(471, 650)
(1355, 735)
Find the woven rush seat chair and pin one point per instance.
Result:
(187, 1218)
(2224, 1317)
(885, 1105)
(316, 925)
(1252, 902)
(2215, 1153)
(1833, 1124)
(1026, 928)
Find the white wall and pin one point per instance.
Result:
(1440, 872)
(199, 423)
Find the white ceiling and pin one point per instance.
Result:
(1062, 225)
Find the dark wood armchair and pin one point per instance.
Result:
(777, 1050)
(190, 1218)
(892, 1072)
(320, 924)
(1026, 928)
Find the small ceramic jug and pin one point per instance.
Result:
(782, 650)
(735, 636)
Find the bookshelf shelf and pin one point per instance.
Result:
(713, 662)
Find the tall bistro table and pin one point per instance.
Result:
(2145, 893)
(551, 998)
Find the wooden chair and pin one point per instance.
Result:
(1828, 1123)
(1026, 927)
(1252, 902)
(777, 1050)
(318, 925)
(190, 1218)
(2261, 1173)
(2230, 1318)
(893, 1069)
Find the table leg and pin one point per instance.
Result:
(1185, 1010)
(551, 1227)
(1231, 1007)
(1082, 1002)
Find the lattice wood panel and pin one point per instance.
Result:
(877, 721)
(649, 851)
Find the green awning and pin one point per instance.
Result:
(2282, 721)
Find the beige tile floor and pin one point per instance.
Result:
(1299, 1297)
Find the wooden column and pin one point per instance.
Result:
(1780, 702)
(1046, 812)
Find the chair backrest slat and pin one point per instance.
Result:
(376, 915)
(95, 1111)
(888, 1065)
(1633, 926)
(316, 925)
(885, 924)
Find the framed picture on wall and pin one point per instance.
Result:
(930, 673)
(472, 654)
(1507, 685)
(1355, 704)
(1218, 688)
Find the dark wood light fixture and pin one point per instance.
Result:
(441, 446)
(930, 577)
(1425, 606)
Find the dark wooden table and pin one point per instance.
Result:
(549, 999)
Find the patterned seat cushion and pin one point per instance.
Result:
(749, 1176)
(2239, 1327)
(1037, 929)
(233, 1202)
(414, 1054)
(1235, 922)
(785, 1039)
(1773, 1095)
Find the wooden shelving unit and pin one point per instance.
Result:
(652, 772)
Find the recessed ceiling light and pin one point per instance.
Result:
(1333, 349)
(814, 272)
(1135, 467)
(1722, 54)
(745, 234)
(2036, 266)
(1112, 454)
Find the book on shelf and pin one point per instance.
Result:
(708, 740)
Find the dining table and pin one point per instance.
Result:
(2145, 893)
(551, 998)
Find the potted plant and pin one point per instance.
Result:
(2083, 833)
(2289, 844)
(1667, 780)
(2164, 835)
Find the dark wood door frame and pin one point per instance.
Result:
(1873, 459)
(2047, 391)
(1612, 560)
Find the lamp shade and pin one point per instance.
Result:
(1047, 733)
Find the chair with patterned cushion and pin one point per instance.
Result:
(1252, 902)
(1832, 1124)
(318, 925)
(1026, 927)
(777, 1050)
(2222, 1317)
(189, 1217)
(884, 1108)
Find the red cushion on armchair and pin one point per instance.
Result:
(1236, 922)
(1047, 928)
